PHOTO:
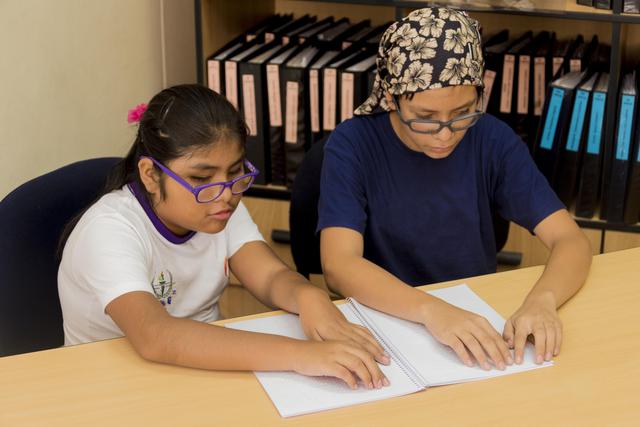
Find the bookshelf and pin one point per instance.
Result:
(218, 21)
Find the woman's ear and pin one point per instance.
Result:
(391, 102)
(149, 176)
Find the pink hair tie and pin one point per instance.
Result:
(135, 114)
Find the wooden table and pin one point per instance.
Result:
(595, 381)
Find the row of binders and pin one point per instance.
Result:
(570, 146)
(628, 6)
(518, 71)
(294, 80)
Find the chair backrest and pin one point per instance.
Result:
(32, 218)
(303, 214)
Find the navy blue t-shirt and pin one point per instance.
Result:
(430, 220)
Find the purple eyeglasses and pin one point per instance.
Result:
(209, 192)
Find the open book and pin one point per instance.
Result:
(418, 360)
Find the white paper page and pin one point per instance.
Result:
(435, 362)
(295, 394)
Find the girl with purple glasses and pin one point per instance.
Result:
(150, 259)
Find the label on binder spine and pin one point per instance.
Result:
(539, 84)
(346, 97)
(551, 121)
(524, 71)
(624, 127)
(577, 120)
(273, 92)
(291, 113)
(506, 94)
(249, 103)
(213, 68)
(575, 65)
(231, 82)
(329, 99)
(557, 63)
(314, 100)
(596, 120)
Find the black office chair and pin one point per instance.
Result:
(32, 218)
(303, 217)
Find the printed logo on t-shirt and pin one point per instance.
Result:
(162, 285)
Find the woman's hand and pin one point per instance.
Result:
(322, 321)
(538, 318)
(467, 334)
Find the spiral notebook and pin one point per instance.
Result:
(418, 362)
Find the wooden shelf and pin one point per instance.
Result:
(570, 10)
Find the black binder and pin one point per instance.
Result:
(582, 55)
(255, 107)
(555, 123)
(331, 114)
(571, 151)
(591, 173)
(259, 31)
(316, 86)
(615, 191)
(510, 75)
(295, 35)
(232, 82)
(542, 73)
(215, 63)
(288, 28)
(494, 50)
(276, 111)
(562, 52)
(367, 35)
(354, 85)
(276, 90)
(348, 36)
(523, 120)
(320, 27)
(296, 111)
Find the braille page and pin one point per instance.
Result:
(295, 394)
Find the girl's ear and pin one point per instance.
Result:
(149, 176)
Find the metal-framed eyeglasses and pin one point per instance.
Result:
(209, 192)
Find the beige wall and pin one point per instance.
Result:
(70, 70)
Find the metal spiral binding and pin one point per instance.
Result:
(404, 365)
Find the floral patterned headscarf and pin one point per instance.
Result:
(430, 48)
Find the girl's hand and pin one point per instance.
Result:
(343, 360)
(538, 318)
(467, 334)
(322, 321)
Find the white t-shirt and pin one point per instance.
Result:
(115, 248)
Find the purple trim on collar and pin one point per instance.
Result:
(157, 223)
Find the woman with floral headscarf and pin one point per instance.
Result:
(410, 184)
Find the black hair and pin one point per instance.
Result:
(177, 120)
